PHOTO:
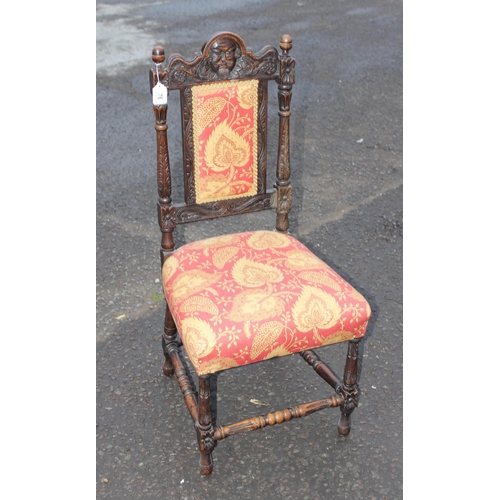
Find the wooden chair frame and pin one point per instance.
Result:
(181, 74)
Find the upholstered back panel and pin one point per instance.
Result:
(225, 132)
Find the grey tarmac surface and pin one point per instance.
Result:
(347, 159)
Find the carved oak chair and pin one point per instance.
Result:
(242, 298)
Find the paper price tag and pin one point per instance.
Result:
(159, 94)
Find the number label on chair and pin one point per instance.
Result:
(159, 94)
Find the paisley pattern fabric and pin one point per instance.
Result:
(225, 130)
(246, 297)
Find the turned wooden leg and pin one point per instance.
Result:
(349, 389)
(204, 426)
(168, 337)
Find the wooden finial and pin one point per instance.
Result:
(286, 42)
(158, 55)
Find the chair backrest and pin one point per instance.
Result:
(224, 101)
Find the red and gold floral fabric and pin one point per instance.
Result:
(225, 130)
(246, 297)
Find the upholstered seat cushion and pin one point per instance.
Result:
(241, 298)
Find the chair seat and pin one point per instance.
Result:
(242, 298)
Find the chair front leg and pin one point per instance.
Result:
(169, 336)
(349, 389)
(204, 426)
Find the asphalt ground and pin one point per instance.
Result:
(347, 158)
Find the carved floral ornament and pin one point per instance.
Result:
(166, 214)
(284, 199)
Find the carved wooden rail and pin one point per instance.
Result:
(184, 380)
(322, 369)
(277, 417)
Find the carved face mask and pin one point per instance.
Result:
(223, 57)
